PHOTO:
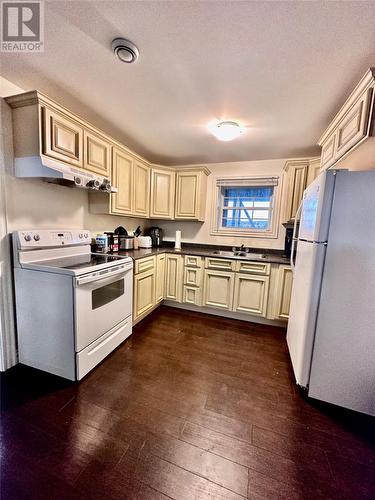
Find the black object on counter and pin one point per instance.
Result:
(156, 234)
(138, 231)
(120, 230)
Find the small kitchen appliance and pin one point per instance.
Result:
(156, 234)
(144, 241)
(125, 241)
(73, 307)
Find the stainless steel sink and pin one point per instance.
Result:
(240, 255)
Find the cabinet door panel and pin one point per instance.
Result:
(160, 278)
(328, 156)
(224, 264)
(218, 289)
(62, 138)
(251, 294)
(122, 179)
(192, 276)
(141, 189)
(145, 264)
(144, 293)
(283, 292)
(193, 261)
(97, 154)
(191, 295)
(173, 277)
(298, 177)
(162, 194)
(187, 190)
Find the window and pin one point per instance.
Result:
(246, 207)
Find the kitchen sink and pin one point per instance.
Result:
(239, 254)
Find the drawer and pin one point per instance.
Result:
(89, 357)
(192, 295)
(192, 276)
(222, 264)
(145, 264)
(253, 267)
(193, 261)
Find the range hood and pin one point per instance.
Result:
(54, 171)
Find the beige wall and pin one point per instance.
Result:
(197, 232)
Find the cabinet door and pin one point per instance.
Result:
(251, 294)
(328, 155)
(218, 289)
(314, 171)
(187, 195)
(191, 295)
(173, 277)
(160, 278)
(297, 177)
(162, 194)
(141, 189)
(283, 292)
(96, 154)
(62, 137)
(122, 179)
(192, 276)
(144, 293)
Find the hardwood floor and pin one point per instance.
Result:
(190, 407)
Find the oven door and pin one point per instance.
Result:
(102, 301)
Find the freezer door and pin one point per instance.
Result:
(343, 365)
(316, 208)
(304, 306)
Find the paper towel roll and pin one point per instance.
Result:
(177, 244)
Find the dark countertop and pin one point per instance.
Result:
(271, 256)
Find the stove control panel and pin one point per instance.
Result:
(45, 238)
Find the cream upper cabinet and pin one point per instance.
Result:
(96, 154)
(349, 141)
(173, 277)
(122, 179)
(160, 278)
(141, 177)
(191, 194)
(251, 294)
(313, 171)
(218, 289)
(62, 137)
(162, 193)
(283, 292)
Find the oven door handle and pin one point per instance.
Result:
(106, 277)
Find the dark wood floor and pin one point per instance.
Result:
(190, 407)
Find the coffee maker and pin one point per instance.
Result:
(156, 234)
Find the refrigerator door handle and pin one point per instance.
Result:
(295, 237)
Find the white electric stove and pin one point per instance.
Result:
(73, 307)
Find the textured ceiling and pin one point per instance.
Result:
(281, 68)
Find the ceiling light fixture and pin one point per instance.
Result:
(226, 130)
(125, 50)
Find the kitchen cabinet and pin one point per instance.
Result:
(218, 289)
(141, 192)
(122, 179)
(96, 154)
(162, 193)
(191, 295)
(298, 174)
(62, 137)
(173, 277)
(193, 280)
(283, 292)
(349, 141)
(251, 294)
(160, 278)
(191, 194)
(144, 294)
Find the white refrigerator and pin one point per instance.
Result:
(331, 329)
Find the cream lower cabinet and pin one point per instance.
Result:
(173, 277)
(283, 292)
(144, 294)
(193, 280)
(251, 294)
(160, 278)
(218, 289)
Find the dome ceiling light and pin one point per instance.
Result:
(226, 130)
(125, 50)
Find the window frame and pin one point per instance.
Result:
(246, 182)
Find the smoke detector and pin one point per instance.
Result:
(125, 50)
